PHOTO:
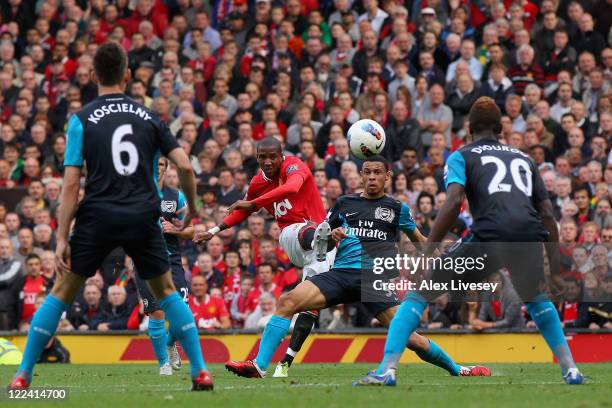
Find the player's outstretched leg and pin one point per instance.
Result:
(44, 324)
(547, 320)
(431, 353)
(301, 330)
(183, 327)
(305, 296)
(159, 338)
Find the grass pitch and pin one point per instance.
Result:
(321, 385)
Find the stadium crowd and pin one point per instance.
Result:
(226, 73)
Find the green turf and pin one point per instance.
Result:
(325, 385)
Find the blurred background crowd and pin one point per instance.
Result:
(226, 73)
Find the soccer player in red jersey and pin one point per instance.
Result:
(209, 312)
(285, 187)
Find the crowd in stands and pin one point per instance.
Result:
(224, 74)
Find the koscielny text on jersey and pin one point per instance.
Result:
(104, 110)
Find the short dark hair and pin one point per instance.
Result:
(581, 187)
(110, 63)
(485, 116)
(378, 159)
(270, 142)
(32, 256)
(272, 267)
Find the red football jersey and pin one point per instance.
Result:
(256, 292)
(205, 313)
(31, 288)
(231, 287)
(291, 198)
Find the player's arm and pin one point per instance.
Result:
(336, 222)
(188, 182)
(408, 226)
(292, 185)
(454, 179)
(170, 148)
(545, 209)
(178, 228)
(234, 218)
(73, 161)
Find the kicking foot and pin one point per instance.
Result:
(319, 242)
(174, 357)
(573, 377)
(166, 369)
(19, 382)
(371, 378)
(282, 371)
(248, 369)
(202, 382)
(474, 371)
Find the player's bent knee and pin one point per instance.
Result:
(416, 342)
(287, 305)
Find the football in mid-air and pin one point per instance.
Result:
(366, 138)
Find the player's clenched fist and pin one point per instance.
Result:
(338, 234)
(201, 236)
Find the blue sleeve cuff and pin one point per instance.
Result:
(74, 142)
(181, 204)
(454, 171)
(406, 222)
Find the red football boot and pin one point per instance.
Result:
(246, 369)
(474, 371)
(203, 382)
(19, 383)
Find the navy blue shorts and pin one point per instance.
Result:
(97, 233)
(149, 301)
(345, 286)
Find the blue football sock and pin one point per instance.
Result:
(158, 336)
(547, 320)
(274, 333)
(406, 320)
(438, 357)
(183, 327)
(43, 327)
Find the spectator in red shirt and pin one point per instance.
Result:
(238, 308)
(33, 285)
(231, 284)
(204, 266)
(526, 71)
(215, 249)
(265, 276)
(209, 312)
(149, 10)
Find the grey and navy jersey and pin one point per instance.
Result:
(370, 226)
(503, 187)
(119, 142)
(172, 202)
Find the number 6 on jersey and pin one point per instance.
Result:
(118, 146)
